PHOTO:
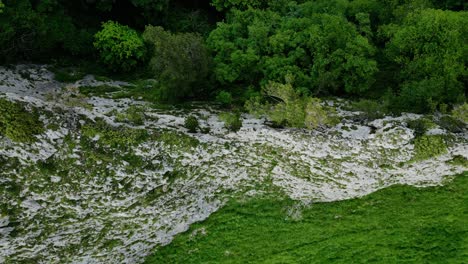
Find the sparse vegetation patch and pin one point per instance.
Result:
(17, 123)
(426, 147)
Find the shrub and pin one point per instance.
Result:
(120, 47)
(290, 109)
(232, 122)
(134, 115)
(18, 124)
(370, 109)
(459, 160)
(426, 147)
(67, 75)
(224, 98)
(100, 90)
(191, 123)
(180, 63)
(461, 113)
(205, 130)
(451, 124)
(420, 126)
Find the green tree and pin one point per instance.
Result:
(153, 11)
(42, 30)
(180, 62)
(289, 108)
(221, 5)
(430, 47)
(325, 53)
(120, 47)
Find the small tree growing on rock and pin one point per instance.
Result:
(289, 108)
(191, 123)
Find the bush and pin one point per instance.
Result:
(451, 124)
(461, 113)
(100, 90)
(232, 122)
(459, 160)
(134, 115)
(370, 109)
(224, 98)
(426, 147)
(18, 124)
(420, 126)
(180, 63)
(120, 47)
(191, 123)
(67, 75)
(290, 109)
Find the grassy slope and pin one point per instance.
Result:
(401, 224)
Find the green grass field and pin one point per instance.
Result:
(400, 224)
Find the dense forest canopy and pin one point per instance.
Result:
(410, 54)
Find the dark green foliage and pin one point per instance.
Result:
(420, 126)
(180, 63)
(238, 4)
(120, 47)
(429, 47)
(99, 90)
(18, 124)
(39, 30)
(224, 98)
(400, 224)
(154, 11)
(450, 4)
(232, 121)
(370, 109)
(401, 49)
(451, 124)
(67, 75)
(205, 130)
(324, 52)
(191, 123)
(189, 21)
